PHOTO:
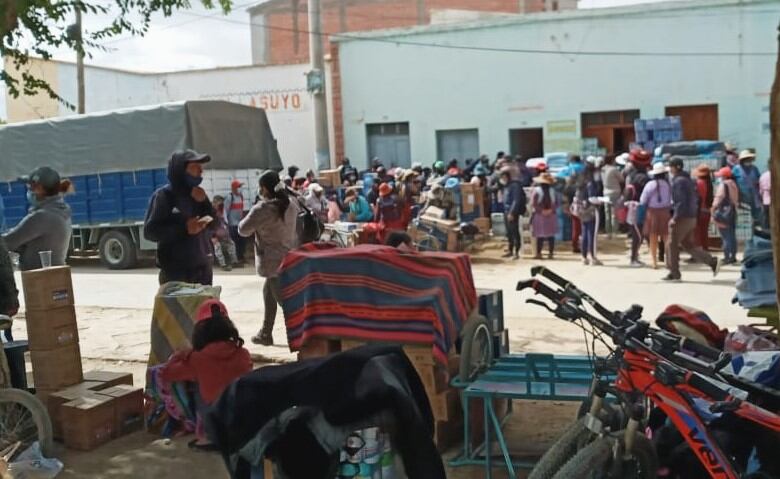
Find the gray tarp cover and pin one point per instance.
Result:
(236, 137)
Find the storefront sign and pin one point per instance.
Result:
(271, 101)
(563, 127)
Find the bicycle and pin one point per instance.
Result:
(23, 418)
(655, 365)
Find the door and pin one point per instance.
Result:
(527, 142)
(457, 144)
(699, 122)
(390, 143)
(613, 129)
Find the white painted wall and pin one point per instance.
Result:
(280, 90)
(435, 88)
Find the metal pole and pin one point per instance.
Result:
(322, 147)
(80, 63)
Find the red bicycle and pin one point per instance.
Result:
(680, 377)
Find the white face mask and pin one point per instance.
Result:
(503, 182)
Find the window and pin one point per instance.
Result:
(390, 143)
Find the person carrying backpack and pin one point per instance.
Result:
(273, 222)
(724, 213)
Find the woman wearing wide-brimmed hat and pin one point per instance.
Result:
(544, 203)
(703, 176)
(656, 199)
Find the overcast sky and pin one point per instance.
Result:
(187, 40)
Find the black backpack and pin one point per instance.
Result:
(309, 226)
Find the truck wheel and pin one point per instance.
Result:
(117, 250)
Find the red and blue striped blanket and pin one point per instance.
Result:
(378, 293)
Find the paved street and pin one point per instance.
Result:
(114, 308)
(114, 312)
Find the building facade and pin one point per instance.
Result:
(280, 28)
(540, 83)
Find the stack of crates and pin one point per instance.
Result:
(656, 132)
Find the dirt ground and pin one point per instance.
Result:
(114, 312)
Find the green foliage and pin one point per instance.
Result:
(35, 28)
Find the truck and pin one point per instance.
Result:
(117, 159)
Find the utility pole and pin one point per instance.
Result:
(774, 166)
(80, 62)
(316, 86)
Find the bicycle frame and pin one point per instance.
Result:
(637, 375)
(662, 380)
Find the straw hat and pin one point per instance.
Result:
(545, 179)
(746, 155)
(702, 171)
(659, 169)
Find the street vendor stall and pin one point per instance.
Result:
(335, 299)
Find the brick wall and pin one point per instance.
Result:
(365, 15)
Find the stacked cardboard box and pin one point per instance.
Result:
(472, 202)
(80, 413)
(446, 231)
(330, 178)
(52, 330)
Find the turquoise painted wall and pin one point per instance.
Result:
(436, 89)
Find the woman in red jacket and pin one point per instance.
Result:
(703, 176)
(217, 358)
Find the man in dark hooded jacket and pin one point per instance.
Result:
(178, 220)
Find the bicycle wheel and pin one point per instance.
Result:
(573, 438)
(476, 351)
(596, 461)
(23, 418)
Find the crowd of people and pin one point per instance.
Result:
(651, 199)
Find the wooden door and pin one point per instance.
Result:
(699, 122)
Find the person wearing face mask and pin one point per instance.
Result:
(47, 227)
(273, 224)
(179, 219)
(747, 177)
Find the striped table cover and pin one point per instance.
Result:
(372, 292)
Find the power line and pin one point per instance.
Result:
(214, 15)
(490, 49)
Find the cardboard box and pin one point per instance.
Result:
(47, 288)
(435, 212)
(52, 329)
(472, 200)
(453, 241)
(88, 421)
(55, 400)
(445, 405)
(128, 408)
(318, 347)
(57, 368)
(107, 379)
(330, 178)
(483, 223)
